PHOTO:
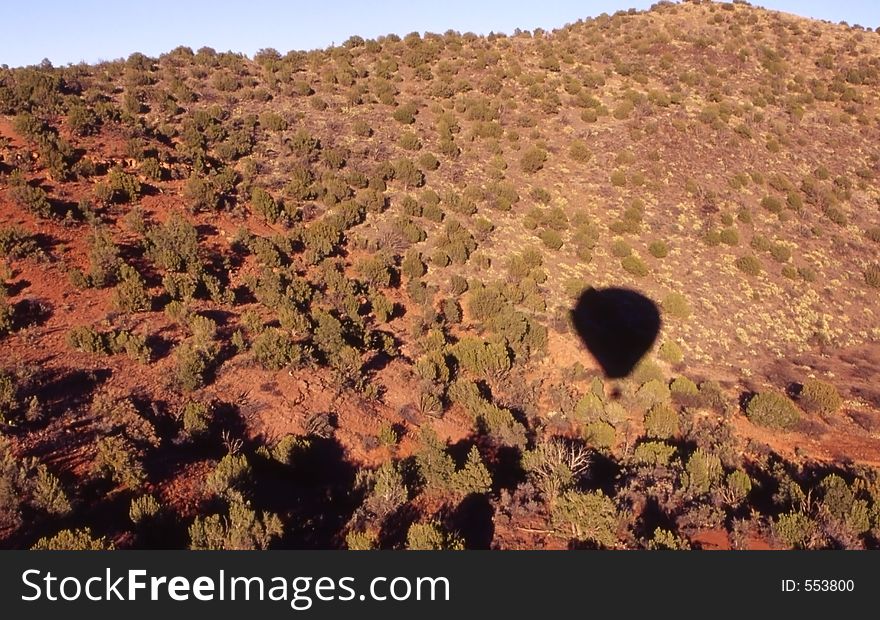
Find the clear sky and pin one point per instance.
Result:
(91, 30)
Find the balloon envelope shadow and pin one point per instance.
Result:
(618, 326)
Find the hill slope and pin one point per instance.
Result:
(327, 294)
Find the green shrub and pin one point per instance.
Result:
(25, 483)
(451, 310)
(539, 194)
(533, 159)
(730, 236)
(589, 517)
(118, 460)
(382, 307)
(634, 266)
(405, 114)
(333, 158)
(361, 541)
(410, 141)
(780, 252)
(272, 122)
(81, 119)
(623, 109)
(600, 434)
(328, 333)
(667, 541)
(320, 238)
(388, 491)
(794, 530)
(651, 392)
(473, 477)
(273, 350)
(712, 396)
(555, 466)
(749, 265)
(661, 421)
(88, 340)
(429, 161)
(174, 245)
(430, 537)
(334, 190)
(196, 419)
(761, 243)
(34, 199)
(131, 292)
(682, 386)
(703, 472)
(9, 402)
(484, 303)
(772, 204)
(712, 238)
(73, 540)
(480, 357)
(388, 435)
(670, 352)
(835, 214)
(499, 424)
(231, 475)
(579, 151)
(618, 178)
(819, 397)
(653, 453)
(289, 447)
(406, 171)
(241, 529)
(200, 194)
(502, 196)
(621, 248)
(458, 284)
(375, 270)
(180, 286)
(659, 249)
(17, 243)
(551, 239)
(362, 129)
(124, 187)
(104, 261)
(143, 509)
(773, 410)
(191, 364)
(412, 265)
(840, 502)
(737, 486)
(264, 205)
(807, 274)
(589, 115)
(872, 275)
(435, 467)
(676, 305)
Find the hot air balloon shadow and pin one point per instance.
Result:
(618, 326)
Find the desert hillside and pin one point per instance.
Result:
(329, 299)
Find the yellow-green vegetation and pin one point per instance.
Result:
(819, 396)
(772, 409)
(329, 298)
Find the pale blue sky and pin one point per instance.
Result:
(91, 30)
